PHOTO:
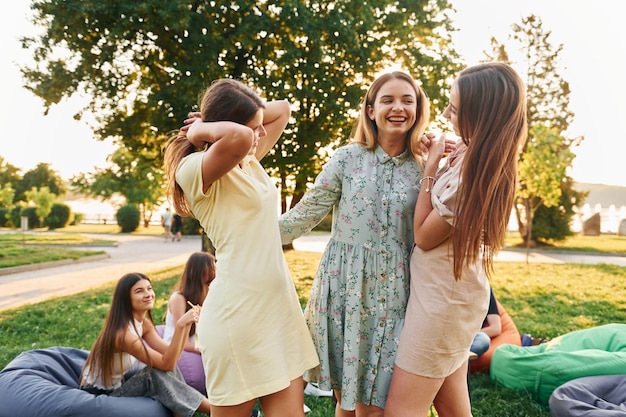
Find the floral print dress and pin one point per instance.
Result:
(358, 300)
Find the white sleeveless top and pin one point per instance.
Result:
(168, 331)
(123, 362)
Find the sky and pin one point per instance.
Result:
(592, 61)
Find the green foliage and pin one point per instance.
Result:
(143, 64)
(134, 176)
(31, 213)
(543, 170)
(41, 176)
(43, 199)
(547, 153)
(544, 149)
(191, 226)
(553, 223)
(128, 218)
(15, 213)
(59, 216)
(77, 218)
(7, 194)
(5, 219)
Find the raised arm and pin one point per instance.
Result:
(178, 307)
(229, 143)
(159, 353)
(275, 118)
(429, 228)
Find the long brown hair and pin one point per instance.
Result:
(492, 123)
(224, 100)
(366, 131)
(120, 315)
(191, 284)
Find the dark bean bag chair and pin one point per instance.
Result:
(592, 396)
(44, 383)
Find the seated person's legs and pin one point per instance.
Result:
(480, 344)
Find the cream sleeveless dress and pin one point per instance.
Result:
(251, 332)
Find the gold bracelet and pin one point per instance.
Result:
(429, 186)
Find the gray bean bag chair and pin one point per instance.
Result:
(592, 396)
(44, 382)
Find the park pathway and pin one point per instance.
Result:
(146, 254)
(133, 253)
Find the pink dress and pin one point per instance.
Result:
(443, 315)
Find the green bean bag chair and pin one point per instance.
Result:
(540, 369)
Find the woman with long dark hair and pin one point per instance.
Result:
(130, 359)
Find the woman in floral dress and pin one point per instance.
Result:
(356, 308)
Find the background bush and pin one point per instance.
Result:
(128, 218)
(5, 219)
(59, 216)
(30, 213)
(77, 218)
(191, 226)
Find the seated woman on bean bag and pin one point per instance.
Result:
(498, 329)
(44, 382)
(130, 359)
(592, 396)
(540, 369)
(191, 289)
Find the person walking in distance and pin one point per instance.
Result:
(166, 222)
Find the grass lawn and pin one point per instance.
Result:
(40, 245)
(543, 299)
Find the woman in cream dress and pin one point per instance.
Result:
(461, 219)
(251, 330)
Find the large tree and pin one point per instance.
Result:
(547, 153)
(10, 176)
(40, 176)
(143, 64)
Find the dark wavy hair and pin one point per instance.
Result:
(120, 315)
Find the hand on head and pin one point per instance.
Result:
(192, 117)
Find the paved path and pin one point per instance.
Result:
(151, 253)
(317, 242)
(133, 253)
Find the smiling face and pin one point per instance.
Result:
(142, 296)
(394, 108)
(256, 124)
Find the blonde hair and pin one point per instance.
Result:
(492, 123)
(366, 131)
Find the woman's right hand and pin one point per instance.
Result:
(191, 316)
(436, 151)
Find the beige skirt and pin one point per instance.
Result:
(443, 315)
